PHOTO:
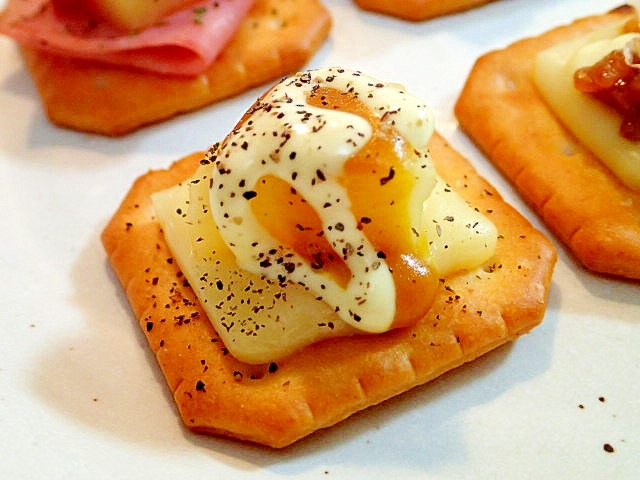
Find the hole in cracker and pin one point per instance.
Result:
(505, 83)
(568, 148)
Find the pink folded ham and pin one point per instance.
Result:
(183, 43)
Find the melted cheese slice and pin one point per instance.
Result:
(256, 318)
(459, 236)
(264, 313)
(126, 14)
(593, 123)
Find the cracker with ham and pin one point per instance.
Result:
(581, 201)
(278, 403)
(99, 94)
(417, 10)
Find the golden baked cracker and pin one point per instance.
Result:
(417, 10)
(320, 385)
(580, 200)
(276, 38)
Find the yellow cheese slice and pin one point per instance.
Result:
(594, 124)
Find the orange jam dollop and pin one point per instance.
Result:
(379, 186)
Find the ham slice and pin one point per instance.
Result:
(183, 43)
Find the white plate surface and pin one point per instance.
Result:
(81, 397)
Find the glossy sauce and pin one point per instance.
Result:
(323, 185)
(615, 81)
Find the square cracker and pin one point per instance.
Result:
(417, 10)
(580, 200)
(276, 38)
(322, 384)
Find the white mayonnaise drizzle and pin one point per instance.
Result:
(307, 147)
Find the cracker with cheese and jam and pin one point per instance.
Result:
(331, 252)
(559, 115)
